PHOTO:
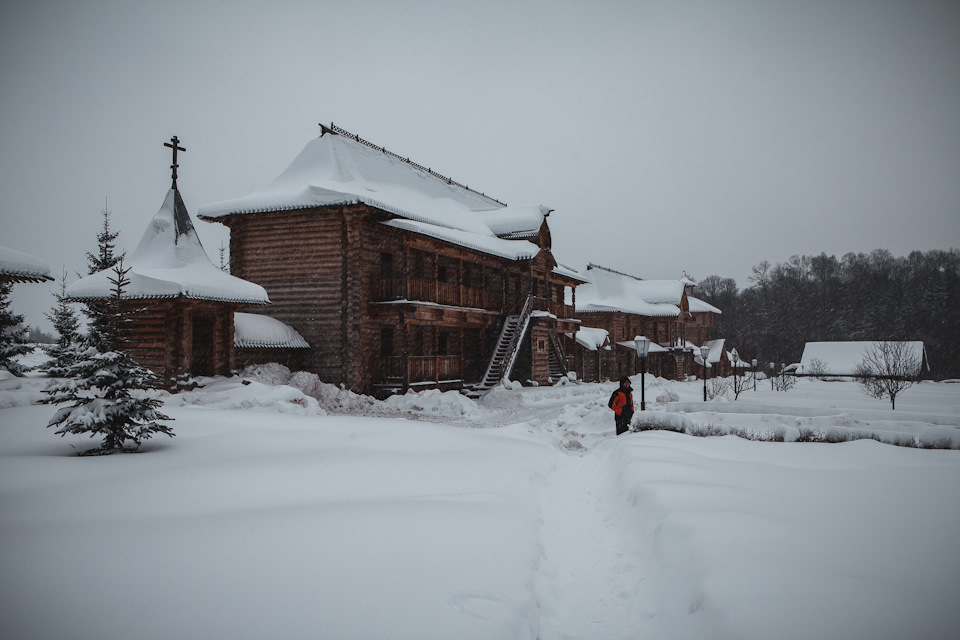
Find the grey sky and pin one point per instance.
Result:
(668, 136)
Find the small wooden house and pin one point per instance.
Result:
(399, 277)
(182, 305)
(664, 311)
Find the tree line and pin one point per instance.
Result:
(861, 296)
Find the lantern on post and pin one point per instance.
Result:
(642, 343)
(704, 353)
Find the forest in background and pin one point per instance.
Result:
(861, 296)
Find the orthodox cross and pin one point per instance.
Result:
(174, 144)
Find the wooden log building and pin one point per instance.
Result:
(400, 278)
(664, 311)
(182, 305)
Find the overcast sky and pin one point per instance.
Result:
(668, 136)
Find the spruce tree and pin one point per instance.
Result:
(106, 256)
(102, 382)
(12, 332)
(67, 324)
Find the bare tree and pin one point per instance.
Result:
(887, 370)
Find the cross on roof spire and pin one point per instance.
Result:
(174, 144)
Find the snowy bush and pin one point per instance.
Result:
(667, 397)
(448, 403)
(718, 388)
(269, 374)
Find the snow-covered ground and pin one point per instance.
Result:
(284, 508)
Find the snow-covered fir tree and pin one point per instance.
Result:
(106, 256)
(106, 385)
(12, 332)
(67, 324)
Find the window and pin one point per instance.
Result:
(386, 265)
(386, 342)
(441, 344)
(541, 345)
(442, 273)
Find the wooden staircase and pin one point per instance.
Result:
(558, 361)
(505, 354)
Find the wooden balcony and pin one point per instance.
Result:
(400, 371)
(456, 295)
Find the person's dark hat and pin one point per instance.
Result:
(624, 380)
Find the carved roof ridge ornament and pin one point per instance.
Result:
(175, 145)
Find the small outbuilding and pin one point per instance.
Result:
(181, 305)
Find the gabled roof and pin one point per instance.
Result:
(170, 262)
(611, 291)
(16, 266)
(340, 168)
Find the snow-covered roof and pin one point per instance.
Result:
(717, 349)
(610, 291)
(592, 338)
(492, 245)
(17, 266)
(569, 272)
(252, 330)
(654, 347)
(170, 262)
(842, 358)
(699, 306)
(336, 169)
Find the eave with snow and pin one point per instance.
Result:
(17, 266)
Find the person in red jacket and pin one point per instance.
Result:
(622, 404)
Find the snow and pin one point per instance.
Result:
(254, 330)
(610, 291)
(842, 358)
(592, 338)
(518, 516)
(17, 264)
(696, 305)
(510, 249)
(336, 169)
(170, 262)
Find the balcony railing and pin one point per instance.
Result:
(440, 292)
(392, 370)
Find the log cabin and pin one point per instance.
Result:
(400, 278)
(665, 311)
(182, 306)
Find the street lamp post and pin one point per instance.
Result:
(773, 371)
(642, 343)
(754, 363)
(704, 352)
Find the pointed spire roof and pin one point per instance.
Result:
(170, 262)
